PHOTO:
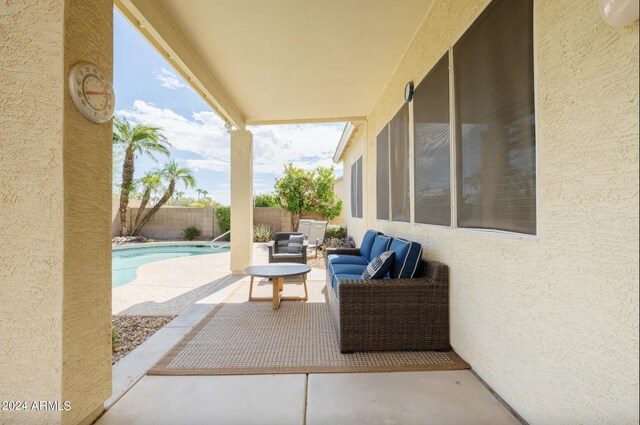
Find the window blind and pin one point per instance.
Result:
(432, 147)
(382, 174)
(356, 188)
(399, 164)
(495, 133)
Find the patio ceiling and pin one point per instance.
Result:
(281, 61)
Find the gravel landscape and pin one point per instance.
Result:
(317, 263)
(133, 331)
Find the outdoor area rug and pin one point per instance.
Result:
(239, 337)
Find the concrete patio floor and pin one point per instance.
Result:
(451, 397)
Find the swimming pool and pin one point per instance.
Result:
(125, 262)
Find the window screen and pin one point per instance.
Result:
(356, 188)
(382, 174)
(432, 150)
(399, 164)
(495, 119)
(359, 186)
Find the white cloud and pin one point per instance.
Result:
(306, 146)
(208, 164)
(169, 80)
(203, 134)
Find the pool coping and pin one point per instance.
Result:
(135, 245)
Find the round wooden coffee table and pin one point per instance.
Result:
(277, 272)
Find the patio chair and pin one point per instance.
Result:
(304, 226)
(316, 234)
(278, 249)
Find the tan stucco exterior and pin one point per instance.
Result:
(550, 322)
(241, 200)
(55, 268)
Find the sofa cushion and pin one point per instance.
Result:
(367, 243)
(408, 257)
(340, 277)
(346, 259)
(348, 268)
(379, 266)
(354, 269)
(380, 245)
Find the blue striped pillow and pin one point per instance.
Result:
(379, 266)
(295, 244)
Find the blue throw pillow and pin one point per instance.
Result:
(367, 243)
(295, 244)
(380, 244)
(379, 266)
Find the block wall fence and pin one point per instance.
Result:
(169, 222)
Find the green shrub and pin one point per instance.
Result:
(262, 233)
(115, 337)
(266, 200)
(223, 214)
(335, 231)
(190, 233)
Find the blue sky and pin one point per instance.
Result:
(148, 90)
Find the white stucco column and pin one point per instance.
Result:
(55, 253)
(241, 200)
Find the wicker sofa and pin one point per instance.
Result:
(407, 310)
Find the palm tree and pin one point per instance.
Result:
(199, 193)
(177, 199)
(172, 173)
(135, 139)
(151, 181)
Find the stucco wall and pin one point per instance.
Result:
(550, 322)
(55, 264)
(169, 222)
(86, 378)
(277, 219)
(241, 200)
(31, 252)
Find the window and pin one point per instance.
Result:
(382, 174)
(432, 147)
(399, 164)
(495, 119)
(356, 189)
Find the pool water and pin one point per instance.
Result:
(125, 262)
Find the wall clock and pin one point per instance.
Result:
(92, 92)
(408, 91)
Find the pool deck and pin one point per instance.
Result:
(169, 286)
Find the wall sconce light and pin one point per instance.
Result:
(619, 12)
(408, 91)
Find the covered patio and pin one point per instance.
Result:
(543, 277)
(144, 392)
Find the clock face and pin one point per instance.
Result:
(92, 92)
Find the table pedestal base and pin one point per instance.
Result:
(278, 286)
